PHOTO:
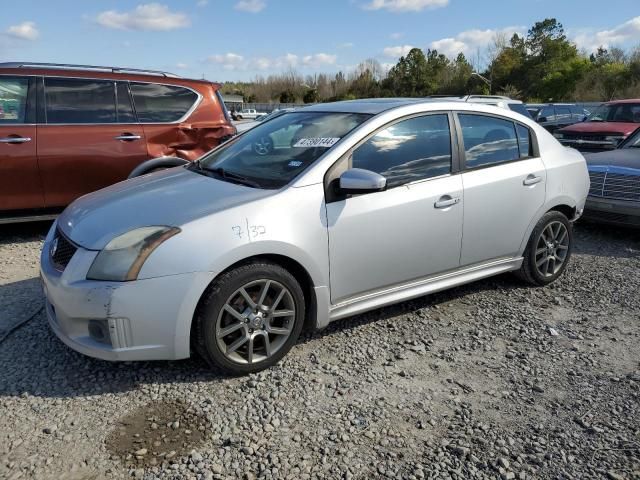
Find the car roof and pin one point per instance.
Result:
(372, 106)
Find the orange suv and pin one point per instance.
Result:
(66, 130)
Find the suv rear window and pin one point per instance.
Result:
(79, 101)
(161, 103)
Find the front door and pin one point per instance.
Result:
(20, 185)
(504, 187)
(408, 232)
(86, 142)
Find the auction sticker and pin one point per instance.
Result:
(316, 142)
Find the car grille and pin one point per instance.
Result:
(615, 186)
(594, 138)
(61, 251)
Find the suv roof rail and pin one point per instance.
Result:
(495, 97)
(84, 67)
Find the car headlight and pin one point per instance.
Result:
(615, 139)
(559, 136)
(123, 257)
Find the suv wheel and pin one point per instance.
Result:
(548, 250)
(249, 318)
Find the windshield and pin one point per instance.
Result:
(621, 112)
(633, 141)
(275, 152)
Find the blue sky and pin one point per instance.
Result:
(239, 39)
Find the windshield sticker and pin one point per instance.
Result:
(295, 163)
(316, 142)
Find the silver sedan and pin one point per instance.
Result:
(316, 215)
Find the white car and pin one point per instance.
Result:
(346, 207)
(249, 114)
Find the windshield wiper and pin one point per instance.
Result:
(233, 177)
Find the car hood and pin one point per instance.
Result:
(171, 197)
(604, 128)
(622, 158)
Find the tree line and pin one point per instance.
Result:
(541, 66)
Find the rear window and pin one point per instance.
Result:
(79, 101)
(520, 108)
(161, 103)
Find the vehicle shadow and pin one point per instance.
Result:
(606, 240)
(23, 232)
(35, 362)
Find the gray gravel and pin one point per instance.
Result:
(491, 380)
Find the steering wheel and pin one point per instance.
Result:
(263, 146)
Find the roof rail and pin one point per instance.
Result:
(85, 67)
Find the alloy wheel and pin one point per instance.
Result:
(255, 322)
(552, 248)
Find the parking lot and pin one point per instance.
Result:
(490, 380)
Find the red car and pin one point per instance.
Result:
(604, 129)
(73, 129)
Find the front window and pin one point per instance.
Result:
(13, 100)
(634, 140)
(621, 112)
(275, 152)
(408, 151)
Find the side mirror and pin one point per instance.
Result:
(542, 119)
(359, 180)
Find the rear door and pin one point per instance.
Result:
(20, 186)
(89, 137)
(504, 186)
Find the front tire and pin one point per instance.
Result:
(249, 318)
(548, 251)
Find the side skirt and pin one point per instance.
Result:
(420, 288)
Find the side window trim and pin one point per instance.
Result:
(456, 163)
(463, 154)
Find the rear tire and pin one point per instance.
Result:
(249, 318)
(548, 250)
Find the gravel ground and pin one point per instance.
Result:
(490, 380)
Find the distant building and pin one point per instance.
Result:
(233, 102)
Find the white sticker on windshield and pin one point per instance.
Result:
(316, 142)
(295, 163)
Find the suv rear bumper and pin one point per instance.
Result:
(614, 212)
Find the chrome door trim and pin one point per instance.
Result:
(15, 139)
(418, 288)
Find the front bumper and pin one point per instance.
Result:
(144, 320)
(613, 212)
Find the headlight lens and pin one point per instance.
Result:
(123, 257)
(615, 139)
(559, 136)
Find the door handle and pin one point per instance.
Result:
(15, 140)
(531, 180)
(446, 201)
(128, 137)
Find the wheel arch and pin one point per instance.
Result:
(294, 267)
(562, 205)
